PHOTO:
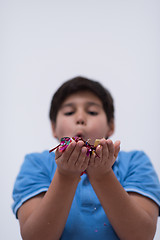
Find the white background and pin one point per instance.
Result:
(44, 43)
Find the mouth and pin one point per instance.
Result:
(80, 135)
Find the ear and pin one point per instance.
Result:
(111, 127)
(53, 127)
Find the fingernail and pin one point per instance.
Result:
(99, 147)
(83, 150)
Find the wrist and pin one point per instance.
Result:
(100, 177)
(68, 176)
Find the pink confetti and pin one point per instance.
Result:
(65, 141)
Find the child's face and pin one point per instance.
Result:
(82, 114)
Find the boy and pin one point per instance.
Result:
(117, 198)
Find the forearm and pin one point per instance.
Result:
(128, 219)
(48, 219)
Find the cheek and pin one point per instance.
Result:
(99, 125)
(63, 128)
(99, 122)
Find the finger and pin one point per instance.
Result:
(117, 148)
(92, 160)
(85, 163)
(99, 151)
(102, 150)
(81, 156)
(75, 154)
(69, 150)
(110, 148)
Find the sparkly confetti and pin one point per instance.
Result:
(65, 141)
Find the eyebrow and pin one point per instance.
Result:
(88, 103)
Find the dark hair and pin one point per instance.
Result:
(81, 84)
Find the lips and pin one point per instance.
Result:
(80, 134)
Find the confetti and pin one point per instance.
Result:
(65, 141)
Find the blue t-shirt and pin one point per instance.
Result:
(87, 219)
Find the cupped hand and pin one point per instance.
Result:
(73, 161)
(102, 163)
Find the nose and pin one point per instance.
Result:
(81, 119)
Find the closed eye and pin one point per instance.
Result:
(93, 113)
(68, 113)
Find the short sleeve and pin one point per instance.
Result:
(141, 177)
(34, 177)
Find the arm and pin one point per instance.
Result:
(44, 216)
(131, 215)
